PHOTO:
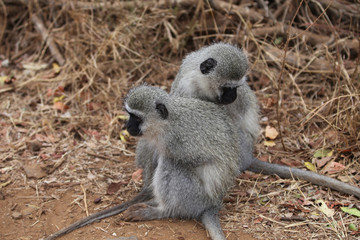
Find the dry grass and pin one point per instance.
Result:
(312, 94)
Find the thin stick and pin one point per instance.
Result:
(281, 74)
(85, 204)
(39, 25)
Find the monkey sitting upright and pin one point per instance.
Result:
(215, 73)
(198, 151)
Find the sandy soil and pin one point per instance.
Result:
(45, 210)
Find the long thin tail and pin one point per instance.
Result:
(144, 195)
(259, 166)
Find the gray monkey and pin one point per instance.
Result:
(224, 84)
(197, 149)
(217, 74)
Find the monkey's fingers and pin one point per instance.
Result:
(137, 175)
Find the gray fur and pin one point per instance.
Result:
(191, 82)
(230, 72)
(244, 111)
(198, 157)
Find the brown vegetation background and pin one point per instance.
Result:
(65, 67)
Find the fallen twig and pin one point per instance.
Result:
(39, 25)
(228, 7)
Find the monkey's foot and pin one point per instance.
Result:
(134, 213)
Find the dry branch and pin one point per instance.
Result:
(310, 37)
(342, 7)
(48, 38)
(298, 60)
(245, 12)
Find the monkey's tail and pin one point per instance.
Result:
(259, 166)
(142, 196)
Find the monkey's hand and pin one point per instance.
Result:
(137, 175)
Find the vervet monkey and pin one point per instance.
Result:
(196, 85)
(216, 73)
(198, 154)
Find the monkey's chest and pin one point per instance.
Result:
(178, 191)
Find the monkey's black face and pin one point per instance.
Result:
(133, 125)
(208, 65)
(228, 95)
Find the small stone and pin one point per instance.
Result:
(34, 171)
(16, 215)
(97, 200)
(34, 146)
(2, 196)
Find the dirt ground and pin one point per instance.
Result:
(47, 209)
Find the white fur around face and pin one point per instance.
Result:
(196, 85)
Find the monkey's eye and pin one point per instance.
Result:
(228, 95)
(208, 65)
(162, 110)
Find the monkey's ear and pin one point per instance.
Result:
(162, 110)
(208, 65)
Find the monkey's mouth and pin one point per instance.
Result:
(134, 132)
(229, 95)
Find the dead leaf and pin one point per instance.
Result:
(324, 208)
(344, 178)
(271, 132)
(56, 68)
(269, 143)
(333, 167)
(137, 175)
(34, 66)
(268, 102)
(289, 162)
(16, 215)
(6, 80)
(258, 220)
(60, 106)
(264, 81)
(34, 146)
(123, 117)
(34, 171)
(322, 161)
(58, 99)
(332, 137)
(320, 153)
(114, 187)
(310, 166)
(92, 106)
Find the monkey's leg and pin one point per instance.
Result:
(211, 221)
(259, 166)
(143, 196)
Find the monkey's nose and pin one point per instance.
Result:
(229, 95)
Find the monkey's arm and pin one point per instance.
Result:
(144, 195)
(259, 166)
